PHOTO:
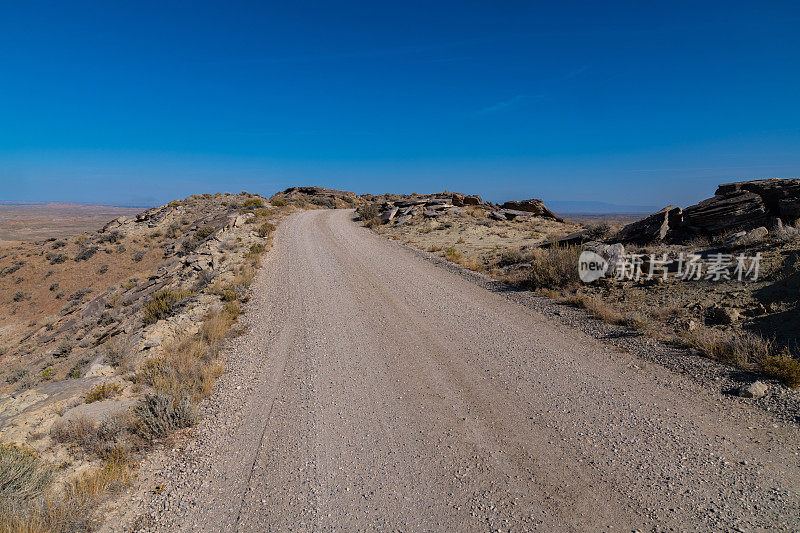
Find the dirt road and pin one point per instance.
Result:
(376, 390)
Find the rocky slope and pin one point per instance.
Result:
(101, 327)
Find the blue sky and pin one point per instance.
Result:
(643, 103)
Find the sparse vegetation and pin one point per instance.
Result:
(278, 202)
(252, 203)
(23, 475)
(103, 391)
(783, 367)
(163, 304)
(158, 414)
(86, 253)
(554, 267)
(451, 254)
(265, 229)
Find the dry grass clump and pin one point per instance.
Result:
(162, 304)
(118, 353)
(555, 267)
(596, 307)
(278, 202)
(740, 348)
(29, 502)
(103, 391)
(189, 365)
(782, 367)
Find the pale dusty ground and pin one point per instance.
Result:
(35, 222)
(376, 390)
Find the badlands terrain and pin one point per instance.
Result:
(399, 362)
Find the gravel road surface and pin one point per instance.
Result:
(376, 390)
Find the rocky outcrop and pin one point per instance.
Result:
(534, 206)
(730, 210)
(653, 228)
(745, 205)
(740, 206)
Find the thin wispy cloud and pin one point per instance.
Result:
(502, 105)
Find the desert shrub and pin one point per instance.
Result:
(451, 254)
(233, 309)
(138, 255)
(555, 267)
(59, 244)
(19, 296)
(16, 375)
(186, 369)
(255, 252)
(782, 367)
(48, 373)
(77, 369)
(103, 391)
(252, 203)
(13, 268)
(173, 204)
(86, 253)
(513, 256)
(599, 231)
(264, 212)
(64, 348)
(23, 475)
(324, 201)
(163, 304)
(199, 236)
(103, 269)
(55, 258)
(265, 229)
(368, 211)
(173, 230)
(79, 295)
(278, 202)
(117, 352)
(159, 414)
(110, 237)
(204, 232)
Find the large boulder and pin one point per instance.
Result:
(734, 209)
(789, 208)
(747, 238)
(572, 239)
(534, 206)
(389, 214)
(472, 199)
(771, 190)
(652, 228)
